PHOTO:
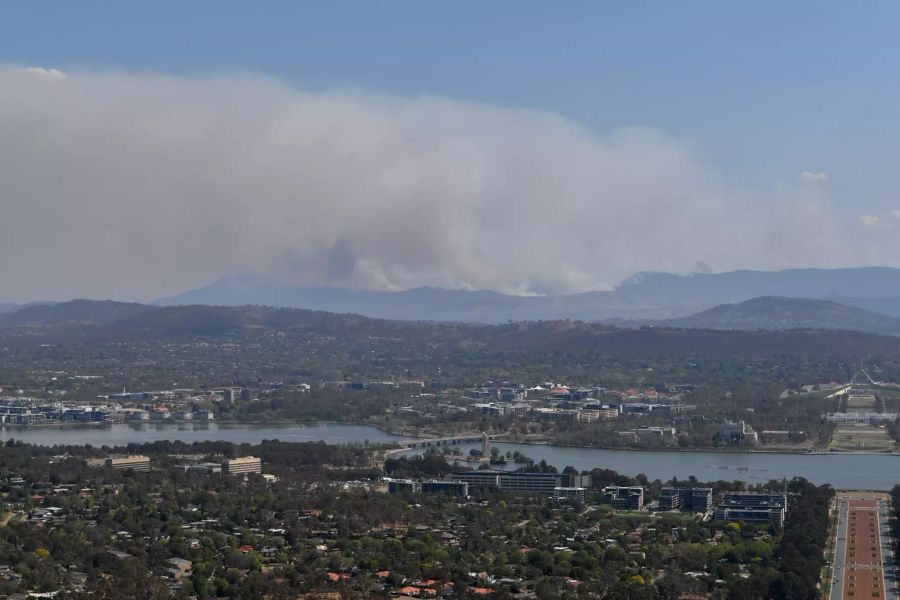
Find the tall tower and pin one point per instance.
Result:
(485, 448)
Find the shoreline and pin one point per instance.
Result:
(383, 429)
(699, 450)
(271, 422)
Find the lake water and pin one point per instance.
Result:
(238, 433)
(846, 471)
(850, 471)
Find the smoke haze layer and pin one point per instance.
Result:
(141, 185)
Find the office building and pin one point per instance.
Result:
(752, 508)
(527, 484)
(455, 488)
(685, 499)
(570, 493)
(701, 500)
(478, 479)
(243, 465)
(403, 486)
(522, 483)
(135, 462)
(555, 414)
(206, 468)
(738, 434)
(624, 497)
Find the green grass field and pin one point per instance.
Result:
(861, 438)
(860, 403)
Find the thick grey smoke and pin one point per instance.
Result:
(136, 186)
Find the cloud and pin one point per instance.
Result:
(42, 72)
(141, 185)
(891, 218)
(814, 178)
(870, 220)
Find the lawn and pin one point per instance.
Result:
(866, 438)
(860, 403)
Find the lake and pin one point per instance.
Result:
(238, 433)
(849, 471)
(846, 471)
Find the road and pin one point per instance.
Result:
(863, 560)
(840, 550)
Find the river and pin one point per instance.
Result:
(847, 471)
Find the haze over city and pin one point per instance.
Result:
(317, 300)
(508, 147)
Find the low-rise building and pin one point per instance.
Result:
(685, 499)
(456, 488)
(570, 493)
(738, 434)
(523, 483)
(136, 462)
(411, 486)
(555, 414)
(624, 497)
(752, 508)
(180, 567)
(242, 465)
(400, 486)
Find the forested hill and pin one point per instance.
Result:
(112, 322)
(772, 312)
(74, 311)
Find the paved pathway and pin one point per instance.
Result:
(863, 566)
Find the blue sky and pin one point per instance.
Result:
(763, 90)
(657, 135)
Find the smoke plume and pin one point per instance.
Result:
(140, 185)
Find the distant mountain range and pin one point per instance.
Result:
(863, 299)
(643, 298)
